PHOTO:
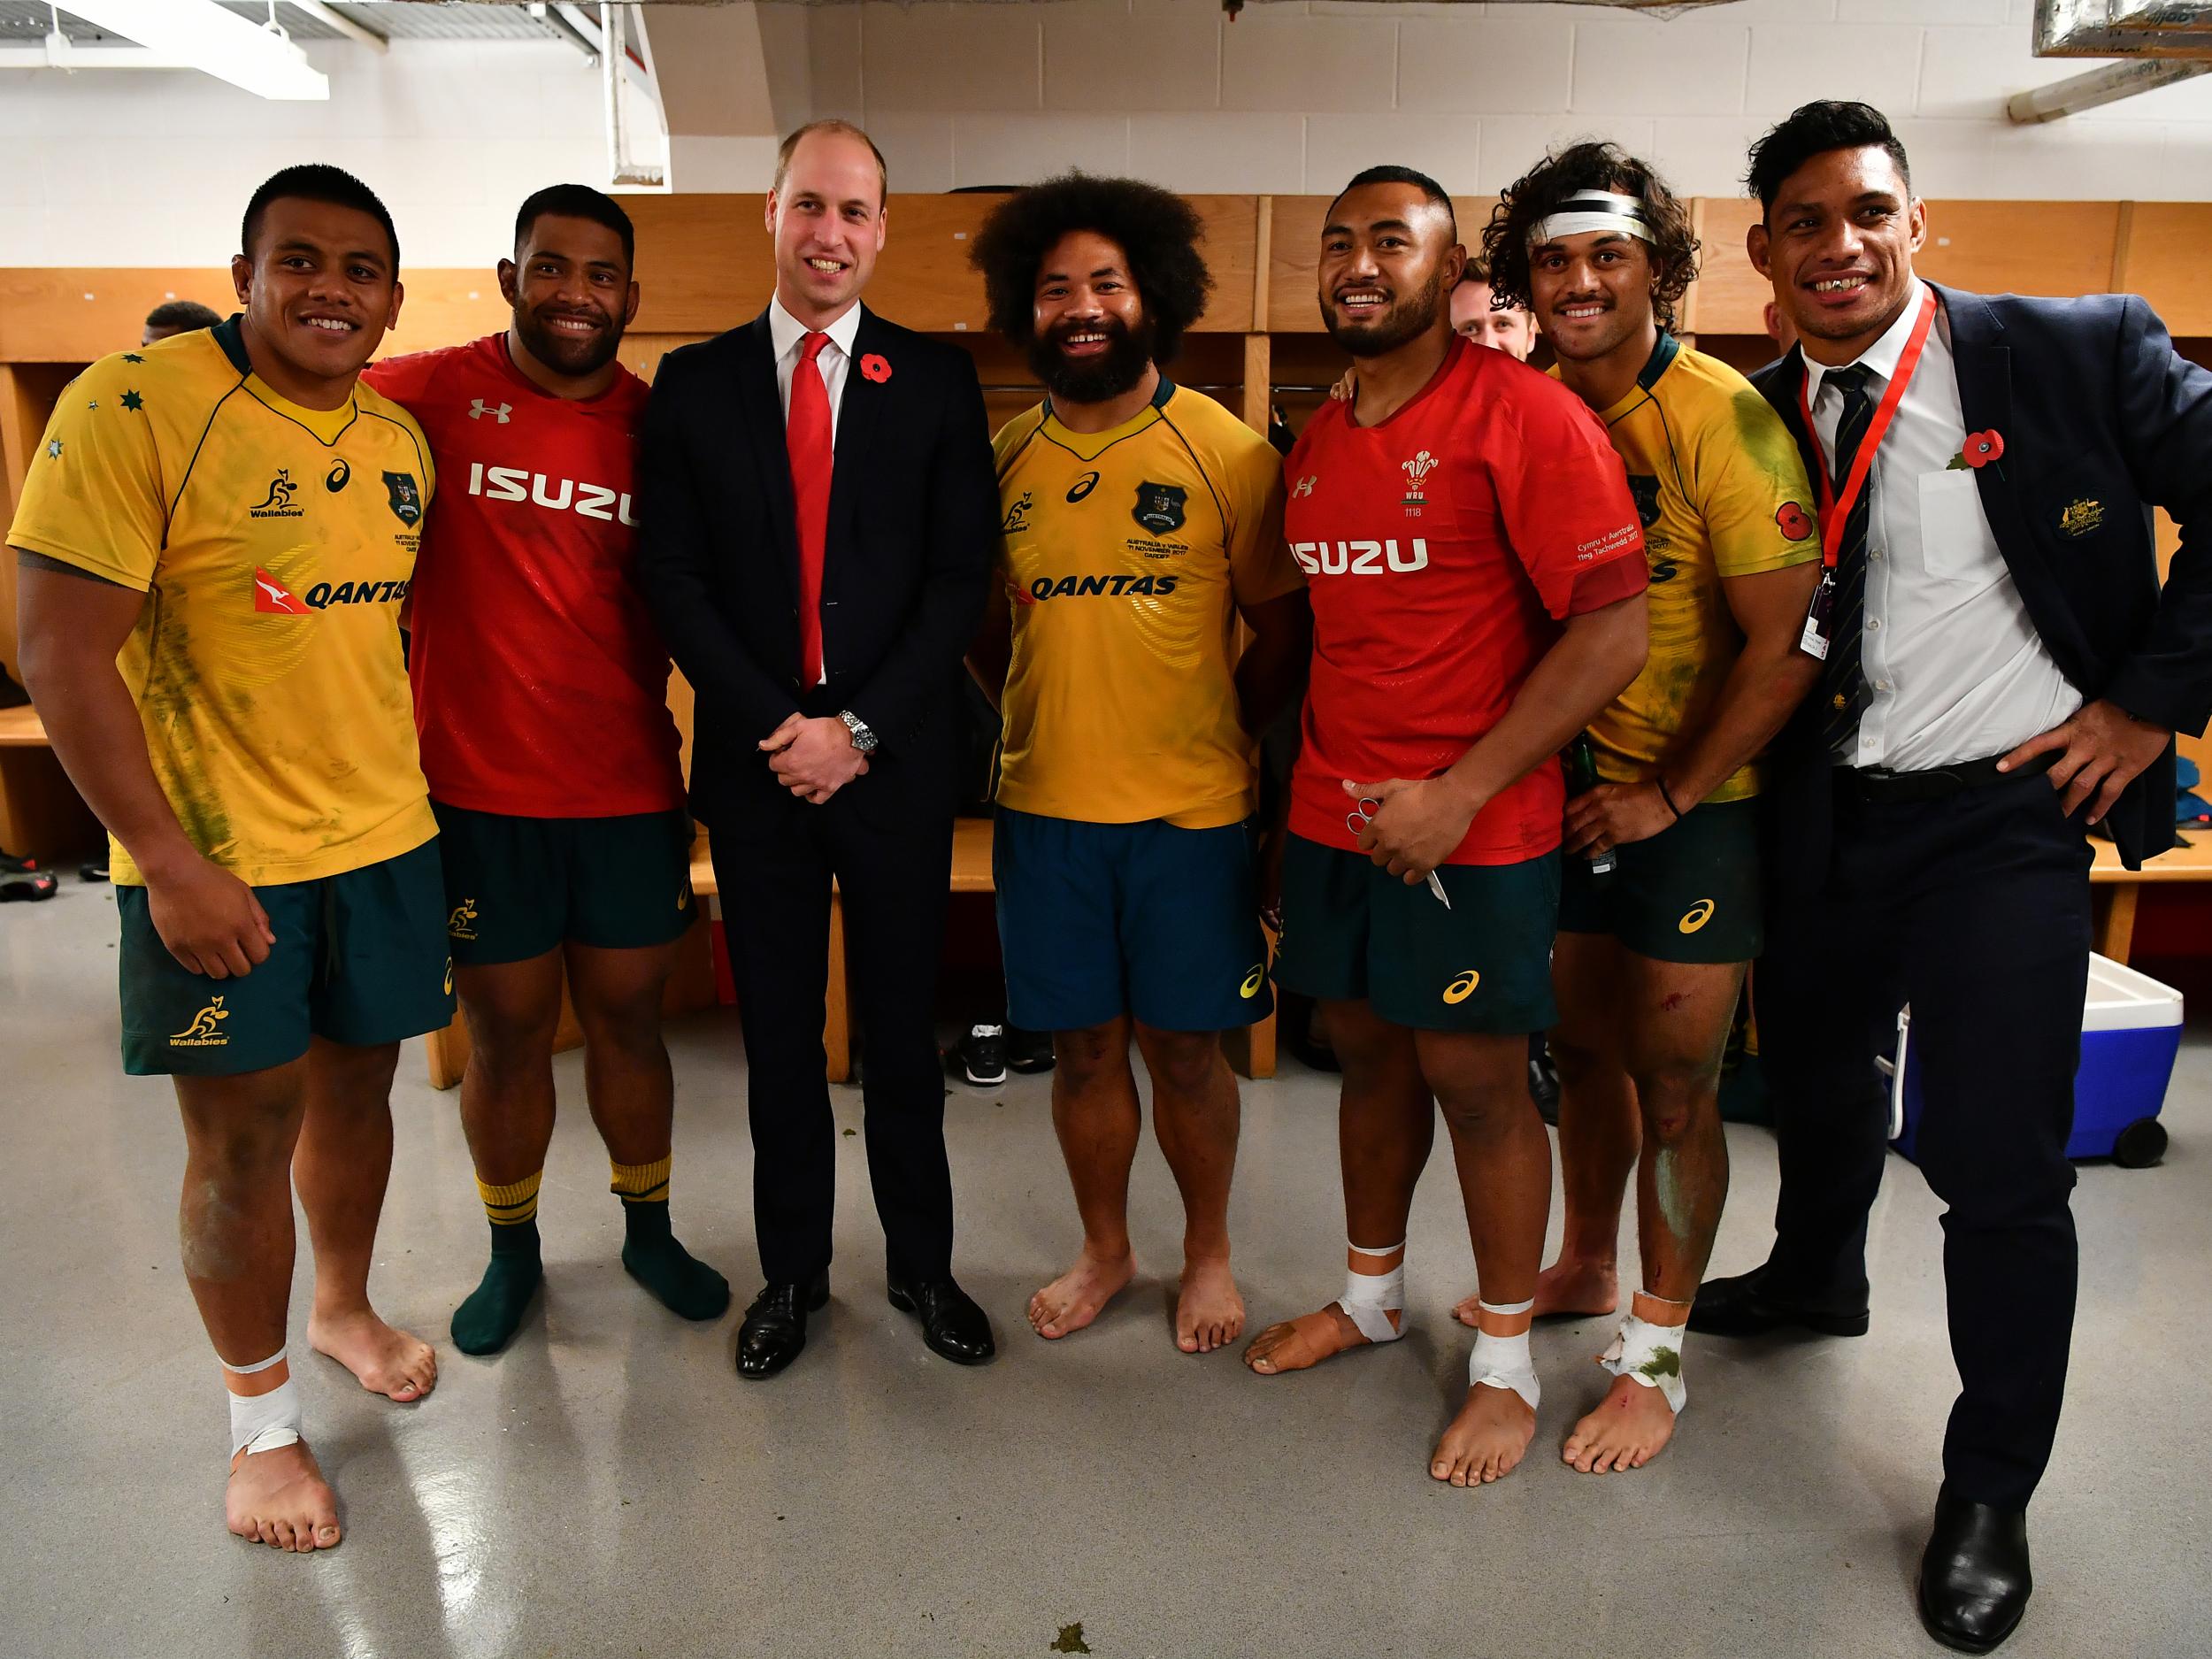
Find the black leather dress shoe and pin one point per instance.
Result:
(1743, 1306)
(775, 1326)
(1974, 1579)
(952, 1325)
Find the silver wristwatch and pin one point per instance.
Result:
(864, 740)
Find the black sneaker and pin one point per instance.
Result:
(1028, 1051)
(983, 1056)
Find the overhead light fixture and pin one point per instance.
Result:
(200, 35)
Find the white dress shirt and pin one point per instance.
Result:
(1955, 668)
(787, 333)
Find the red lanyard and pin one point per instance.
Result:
(1835, 514)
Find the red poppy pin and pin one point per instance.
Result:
(1981, 448)
(875, 368)
(1794, 521)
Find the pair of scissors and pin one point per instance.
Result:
(1364, 814)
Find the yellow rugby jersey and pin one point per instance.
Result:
(1722, 492)
(275, 544)
(1126, 554)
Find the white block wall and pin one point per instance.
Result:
(153, 167)
(1296, 98)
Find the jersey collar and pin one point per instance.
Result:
(230, 336)
(1161, 393)
(328, 425)
(1662, 355)
(1090, 444)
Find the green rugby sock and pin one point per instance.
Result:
(682, 1284)
(487, 1320)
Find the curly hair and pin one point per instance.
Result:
(1538, 193)
(1157, 230)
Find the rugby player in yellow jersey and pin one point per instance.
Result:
(1141, 521)
(1650, 959)
(214, 541)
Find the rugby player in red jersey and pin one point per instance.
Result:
(540, 692)
(1477, 572)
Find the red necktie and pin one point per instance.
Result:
(806, 439)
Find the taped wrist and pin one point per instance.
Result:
(1369, 1299)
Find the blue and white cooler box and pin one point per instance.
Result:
(2131, 1030)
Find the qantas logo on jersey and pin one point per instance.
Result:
(322, 596)
(562, 494)
(272, 598)
(1118, 586)
(1360, 558)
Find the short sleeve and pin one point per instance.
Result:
(94, 497)
(1755, 498)
(1260, 566)
(405, 380)
(1565, 497)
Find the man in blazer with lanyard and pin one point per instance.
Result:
(1999, 668)
(817, 517)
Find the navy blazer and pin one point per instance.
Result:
(912, 531)
(2101, 421)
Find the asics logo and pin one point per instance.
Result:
(1359, 558)
(562, 494)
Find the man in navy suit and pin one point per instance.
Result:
(2000, 668)
(817, 517)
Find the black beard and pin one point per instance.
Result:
(1128, 355)
(565, 355)
(1407, 319)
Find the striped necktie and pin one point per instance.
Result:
(1843, 679)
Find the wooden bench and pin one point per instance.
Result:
(1252, 1052)
(2115, 919)
(41, 815)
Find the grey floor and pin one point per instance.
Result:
(609, 1486)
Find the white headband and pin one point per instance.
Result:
(1593, 210)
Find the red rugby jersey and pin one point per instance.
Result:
(1442, 549)
(540, 684)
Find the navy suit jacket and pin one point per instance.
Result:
(912, 531)
(2101, 421)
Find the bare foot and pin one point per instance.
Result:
(1080, 1294)
(279, 1498)
(1567, 1286)
(1208, 1313)
(1485, 1441)
(387, 1360)
(1306, 1340)
(1631, 1426)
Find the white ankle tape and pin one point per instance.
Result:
(261, 1423)
(1369, 1299)
(1651, 1355)
(1503, 1362)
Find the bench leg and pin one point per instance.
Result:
(2115, 932)
(837, 1021)
(1251, 1050)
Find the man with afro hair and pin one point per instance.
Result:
(1141, 522)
